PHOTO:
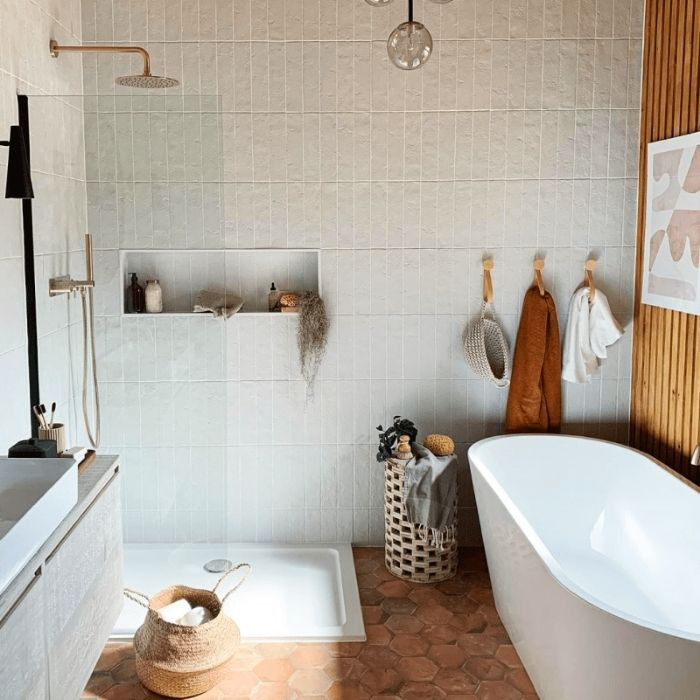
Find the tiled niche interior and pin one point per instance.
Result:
(518, 137)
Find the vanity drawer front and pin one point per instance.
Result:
(81, 559)
(72, 658)
(23, 671)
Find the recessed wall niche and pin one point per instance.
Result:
(247, 273)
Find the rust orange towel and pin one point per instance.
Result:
(534, 399)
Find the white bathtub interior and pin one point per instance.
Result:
(617, 546)
(299, 593)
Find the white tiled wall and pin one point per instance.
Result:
(56, 135)
(519, 136)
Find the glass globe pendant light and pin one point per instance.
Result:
(409, 46)
(381, 3)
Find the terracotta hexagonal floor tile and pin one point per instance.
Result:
(239, 683)
(407, 624)
(453, 586)
(398, 606)
(394, 589)
(271, 691)
(347, 690)
(427, 596)
(497, 690)
(433, 614)
(460, 604)
(310, 656)
(366, 566)
(417, 668)
(519, 679)
(370, 596)
(125, 691)
(124, 671)
(440, 634)
(455, 681)
(310, 681)
(345, 649)
(98, 683)
(376, 681)
(273, 670)
(246, 658)
(378, 657)
(482, 595)
(422, 691)
(372, 614)
(485, 668)
(478, 644)
(491, 614)
(409, 645)
(471, 622)
(344, 668)
(447, 655)
(377, 635)
(275, 650)
(497, 632)
(367, 580)
(507, 655)
(112, 655)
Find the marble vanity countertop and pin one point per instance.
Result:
(90, 483)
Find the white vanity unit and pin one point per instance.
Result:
(59, 604)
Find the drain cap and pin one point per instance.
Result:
(218, 566)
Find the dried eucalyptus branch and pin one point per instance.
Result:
(312, 337)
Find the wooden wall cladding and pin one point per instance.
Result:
(665, 411)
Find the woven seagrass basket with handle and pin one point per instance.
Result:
(180, 661)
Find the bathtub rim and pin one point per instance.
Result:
(548, 559)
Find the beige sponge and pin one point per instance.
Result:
(440, 445)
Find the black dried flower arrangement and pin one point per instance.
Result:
(389, 437)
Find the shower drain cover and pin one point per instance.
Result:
(218, 566)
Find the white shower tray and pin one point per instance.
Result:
(300, 593)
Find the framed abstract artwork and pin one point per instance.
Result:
(671, 270)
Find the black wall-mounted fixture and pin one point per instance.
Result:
(19, 179)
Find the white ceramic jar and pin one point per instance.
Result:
(154, 297)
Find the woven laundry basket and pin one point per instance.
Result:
(180, 661)
(486, 348)
(406, 554)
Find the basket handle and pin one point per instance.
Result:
(228, 573)
(137, 597)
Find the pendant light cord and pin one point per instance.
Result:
(410, 10)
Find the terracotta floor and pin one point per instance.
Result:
(424, 642)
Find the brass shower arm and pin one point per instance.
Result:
(55, 49)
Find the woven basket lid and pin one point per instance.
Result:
(486, 348)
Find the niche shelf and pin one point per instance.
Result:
(246, 272)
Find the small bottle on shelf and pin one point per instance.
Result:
(154, 297)
(273, 299)
(135, 298)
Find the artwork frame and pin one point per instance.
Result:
(671, 268)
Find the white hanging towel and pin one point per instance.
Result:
(590, 330)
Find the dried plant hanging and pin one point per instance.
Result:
(312, 337)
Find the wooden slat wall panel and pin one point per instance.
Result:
(666, 356)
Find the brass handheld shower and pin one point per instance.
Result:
(145, 80)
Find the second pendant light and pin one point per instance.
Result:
(409, 46)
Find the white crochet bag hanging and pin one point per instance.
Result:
(486, 348)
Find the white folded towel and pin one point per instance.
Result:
(195, 617)
(590, 329)
(175, 611)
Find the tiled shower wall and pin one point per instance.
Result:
(518, 137)
(58, 173)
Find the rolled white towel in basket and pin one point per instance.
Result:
(175, 611)
(195, 617)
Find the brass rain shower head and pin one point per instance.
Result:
(145, 80)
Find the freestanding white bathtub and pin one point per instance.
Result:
(594, 555)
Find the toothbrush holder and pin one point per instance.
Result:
(57, 433)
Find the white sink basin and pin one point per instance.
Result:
(35, 496)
